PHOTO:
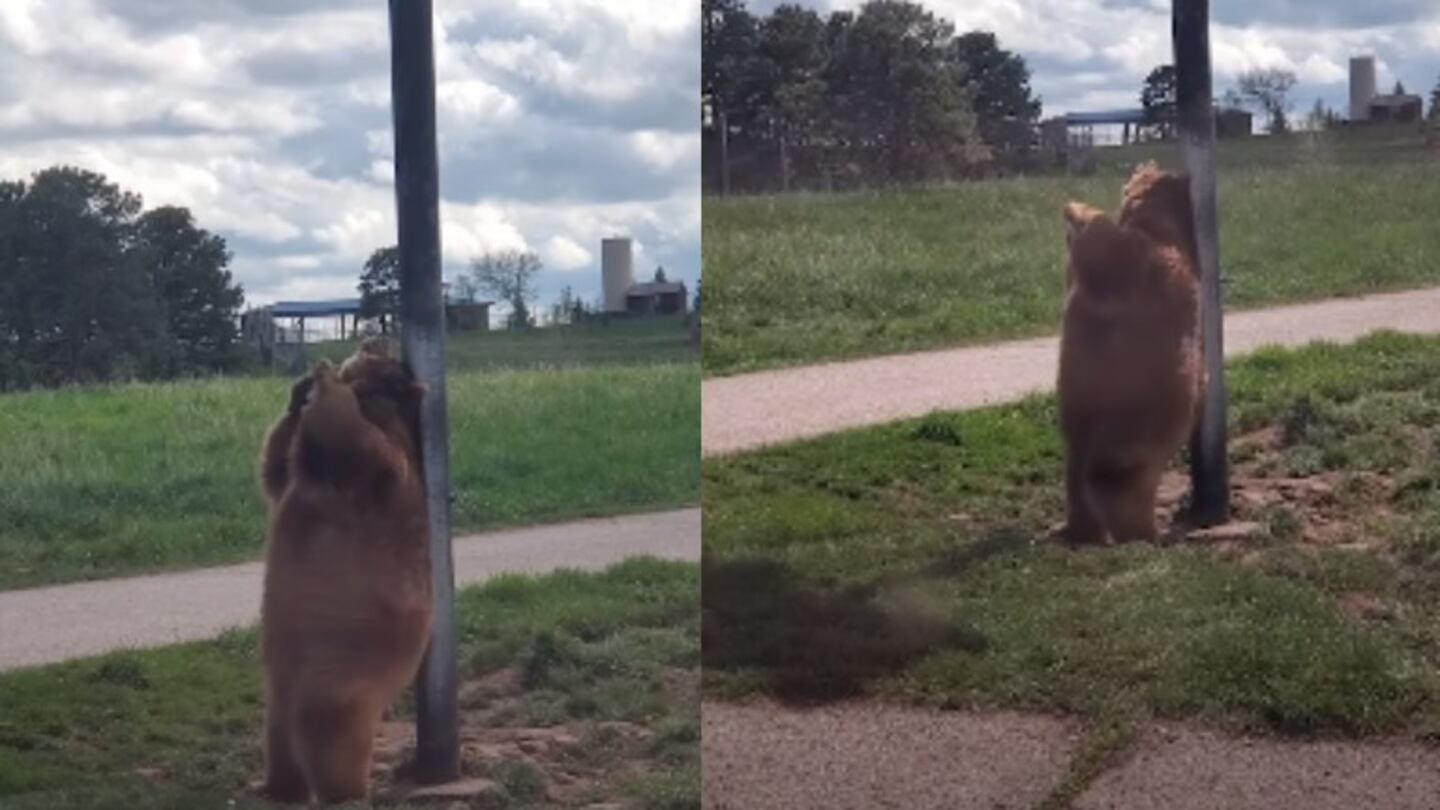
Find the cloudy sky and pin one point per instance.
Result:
(561, 122)
(1094, 54)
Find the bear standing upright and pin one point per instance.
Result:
(1130, 365)
(346, 612)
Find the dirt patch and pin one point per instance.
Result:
(1329, 509)
(577, 763)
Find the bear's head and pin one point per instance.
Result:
(1157, 203)
(388, 393)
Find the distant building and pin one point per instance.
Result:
(1234, 122)
(1403, 108)
(467, 316)
(1367, 105)
(324, 312)
(656, 298)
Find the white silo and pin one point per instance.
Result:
(1362, 87)
(617, 271)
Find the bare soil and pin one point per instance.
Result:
(580, 763)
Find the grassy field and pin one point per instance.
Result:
(604, 666)
(596, 343)
(115, 480)
(808, 277)
(908, 561)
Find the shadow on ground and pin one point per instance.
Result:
(811, 645)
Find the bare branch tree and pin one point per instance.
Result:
(509, 275)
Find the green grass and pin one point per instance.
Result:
(99, 482)
(594, 343)
(178, 727)
(936, 525)
(807, 277)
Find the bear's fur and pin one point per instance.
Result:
(1130, 365)
(345, 617)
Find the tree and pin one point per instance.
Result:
(380, 287)
(1322, 116)
(788, 88)
(1267, 91)
(728, 37)
(74, 305)
(1435, 102)
(563, 311)
(1399, 88)
(464, 290)
(901, 111)
(200, 302)
(509, 275)
(999, 84)
(94, 290)
(1157, 96)
(659, 275)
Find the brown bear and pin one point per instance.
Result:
(1130, 366)
(346, 611)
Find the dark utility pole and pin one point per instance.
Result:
(422, 318)
(1209, 473)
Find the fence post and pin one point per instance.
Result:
(417, 204)
(1209, 473)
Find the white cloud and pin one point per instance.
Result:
(563, 253)
(272, 123)
(475, 101)
(666, 149)
(1123, 41)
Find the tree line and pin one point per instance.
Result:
(885, 94)
(507, 275)
(1264, 91)
(94, 288)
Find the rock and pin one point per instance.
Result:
(460, 789)
(1234, 531)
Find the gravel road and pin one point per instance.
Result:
(752, 410)
(44, 625)
(863, 755)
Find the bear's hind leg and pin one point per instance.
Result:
(336, 736)
(1082, 524)
(1125, 497)
(284, 780)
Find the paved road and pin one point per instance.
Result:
(753, 410)
(44, 625)
(864, 755)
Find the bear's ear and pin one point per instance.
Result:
(1077, 216)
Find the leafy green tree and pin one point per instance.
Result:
(200, 302)
(787, 69)
(902, 111)
(74, 306)
(1435, 102)
(380, 287)
(1158, 96)
(728, 38)
(999, 81)
(93, 290)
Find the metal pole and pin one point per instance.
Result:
(1209, 474)
(422, 331)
